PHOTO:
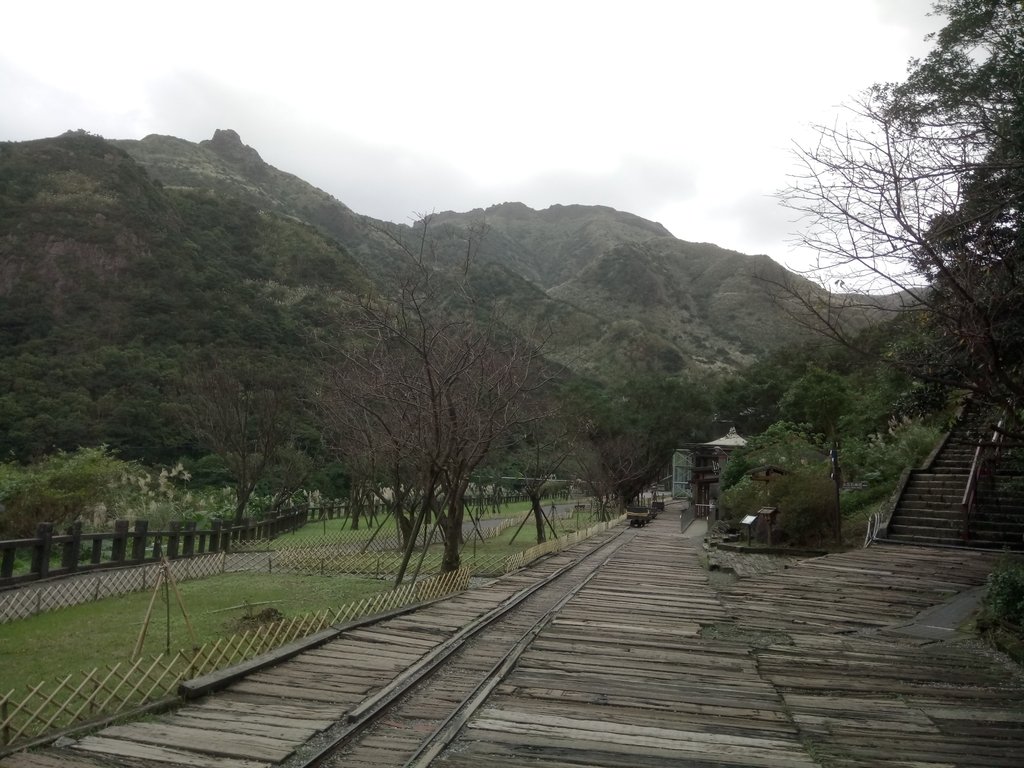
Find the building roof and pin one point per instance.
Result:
(731, 440)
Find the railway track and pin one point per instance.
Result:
(619, 654)
(384, 693)
(413, 720)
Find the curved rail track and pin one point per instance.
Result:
(337, 702)
(446, 686)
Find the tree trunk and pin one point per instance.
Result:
(452, 528)
(538, 516)
(242, 495)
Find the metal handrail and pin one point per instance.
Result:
(970, 498)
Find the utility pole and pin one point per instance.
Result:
(837, 479)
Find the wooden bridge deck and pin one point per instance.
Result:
(649, 666)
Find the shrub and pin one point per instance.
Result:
(57, 490)
(805, 499)
(806, 502)
(1004, 600)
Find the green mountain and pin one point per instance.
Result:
(110, 283)
(122, 261)
(227, 167)
(619, 292)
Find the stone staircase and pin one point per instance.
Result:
(928, 511)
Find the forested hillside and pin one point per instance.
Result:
(111, 284)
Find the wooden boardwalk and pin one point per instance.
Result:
(650, 667)
(646, 666)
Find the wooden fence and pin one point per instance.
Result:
(343, 553)
(39, 597)
(520, 559)
(49, 554)
(75, 699)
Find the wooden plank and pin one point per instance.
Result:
(54, 759)
(218, 743)
(157, 754)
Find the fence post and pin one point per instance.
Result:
(71, 548)
(139, 540)
(120, 542)
(7, 566)
(173, 531)
(189, 546)
(41, 550)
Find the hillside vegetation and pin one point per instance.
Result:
(147, 287)
(111, 283)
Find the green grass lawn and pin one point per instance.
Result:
(341, 527)
(98, 634)
(102, 633)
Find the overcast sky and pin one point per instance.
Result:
(680, 111)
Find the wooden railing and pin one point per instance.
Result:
(51, 554)
(984, 453)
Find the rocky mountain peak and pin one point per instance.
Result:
(228, 144)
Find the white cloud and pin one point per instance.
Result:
(680, 112)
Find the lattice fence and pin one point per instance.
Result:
(56, 705)
(520, 559)
(360, 542)
(31, 599)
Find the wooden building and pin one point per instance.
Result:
(699, 467)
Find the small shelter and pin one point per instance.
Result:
(708, 461)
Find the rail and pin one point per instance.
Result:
(374, 705)
(970, 498)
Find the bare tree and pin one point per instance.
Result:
(437, 379)
(917, 191)
(631, 431)
(243, 412)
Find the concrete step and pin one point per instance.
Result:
(959, 465)
(926, 476)
(999, 508)
(935, 485)
(988, 540)
(935, 500)
(924, 513)
(924, 526)
(1003, 532)
(926, 540)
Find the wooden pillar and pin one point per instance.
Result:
(120, 542)
(189, 543)
(139, 540)
(41, 550)
(71, 547)
(7, 564)
(173, 534)
(215, 533)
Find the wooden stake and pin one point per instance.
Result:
(149, 613)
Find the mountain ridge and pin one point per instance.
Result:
(696, 306)
(120, 259)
